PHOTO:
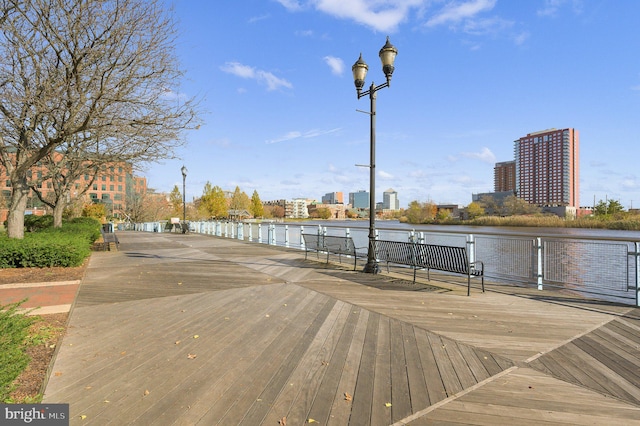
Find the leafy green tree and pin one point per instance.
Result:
(273, 212)
(257, 209)
(175, 199)
(213, 201)
(604, 208)
(474, 210)
(418, 212)
(489, 204)
(239, 200)
(513, 205)
(95, 210)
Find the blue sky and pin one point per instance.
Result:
(471, 77)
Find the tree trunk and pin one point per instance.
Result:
(15, 220)
(58, 209)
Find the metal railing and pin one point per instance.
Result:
(605, 268)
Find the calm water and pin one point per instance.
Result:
(493, 230)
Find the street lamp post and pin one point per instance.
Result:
(184, 199)
(387, 56)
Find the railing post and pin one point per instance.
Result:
(538, 273)
(302, 246)
(259, 233)
(637, 259)
(421, 237)
(233, 230)
(412, 236)
(273, 234)
(250, 232)
(471, 248)
(286, 235)
(240, 231)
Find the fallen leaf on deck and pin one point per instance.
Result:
(348, 397)
(192, 356)
(387, 404)
(312, 421)
(177, 342)
(283, 421)
(196, 336)
(146, 392)
(82, 417)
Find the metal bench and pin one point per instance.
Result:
(109, 238)
(330, 245)
(430, 256)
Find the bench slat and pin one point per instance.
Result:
(430, 256)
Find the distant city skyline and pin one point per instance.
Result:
(471, 77)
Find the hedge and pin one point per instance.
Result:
(67, 246)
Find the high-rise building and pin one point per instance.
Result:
(390, 200)
(504, 176)
(359, 200)
(333, 198)
(547, 167)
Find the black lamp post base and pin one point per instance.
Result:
(371, 267)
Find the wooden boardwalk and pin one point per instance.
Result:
(188, 329)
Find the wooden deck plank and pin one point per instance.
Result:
(459, 363)
(299, 412)
(525, 396)
(602, 350)
(289, 394)
(445, 366)
(382, 386)
(605, 378)
(237, 381)
(191, 396)
(253, 380)
(476, 366)
(343, 400)
(419, 397)
(322, 404)
(129, 354)
(435, 387)
(363, 395)
(400, 395)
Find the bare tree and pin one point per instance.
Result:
(100, 75)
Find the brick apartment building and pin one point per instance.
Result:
(547, 168)
(110, 186)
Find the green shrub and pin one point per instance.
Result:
(14, 331)
(67, 246)
(34, 223)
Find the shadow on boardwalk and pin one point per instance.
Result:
(192, 329)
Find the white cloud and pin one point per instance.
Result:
(456, 12)
(336, 64)
(485, 155)
(381, 15)
(299, 135)
(255, 19)
(291, 5)
(551, 7)
(385, 175)
(248, 72)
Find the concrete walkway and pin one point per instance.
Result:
(192, 329)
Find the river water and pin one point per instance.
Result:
(478, 230)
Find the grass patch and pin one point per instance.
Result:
(14, 340)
